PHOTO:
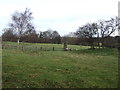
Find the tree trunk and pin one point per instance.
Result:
(103, 41)
(65, 45)
(99, 44)
(92, 43)
(98, 39)
(92, 46)
(103, 44)
(18, 41)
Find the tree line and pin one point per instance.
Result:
(48, 36)
(99, 32)
(21, 29)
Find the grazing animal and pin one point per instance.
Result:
(67, 49)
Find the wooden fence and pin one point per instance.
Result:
(31, 48)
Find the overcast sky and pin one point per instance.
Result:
(62, 15)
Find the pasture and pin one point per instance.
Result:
(79, 68)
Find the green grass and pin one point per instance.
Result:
(31, 47)
(83, 68)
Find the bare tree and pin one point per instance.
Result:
(56, 37)
(88, 31)
(108, 27)
(102, 29)
(21, 23)
(51, 36)
(47, 34)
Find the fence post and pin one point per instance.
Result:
(53, 48)
(22, 48)
(31, 49)
(36, 49)
(2, 46)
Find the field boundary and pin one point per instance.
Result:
(31, 48)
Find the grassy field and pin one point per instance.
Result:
(79, 68)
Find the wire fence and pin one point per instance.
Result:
(30, 48)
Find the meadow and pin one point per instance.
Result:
(80, 68)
